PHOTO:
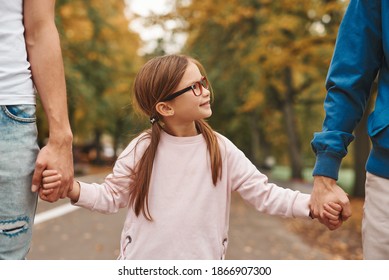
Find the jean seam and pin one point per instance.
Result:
(16, 118)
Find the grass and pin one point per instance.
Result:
(346, 176)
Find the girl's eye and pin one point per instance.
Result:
(194, 86)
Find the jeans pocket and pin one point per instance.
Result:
(20, 113)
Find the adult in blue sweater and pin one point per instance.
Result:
(360, 56)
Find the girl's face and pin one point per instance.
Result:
(187, 107)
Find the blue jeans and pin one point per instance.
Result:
(18, 153)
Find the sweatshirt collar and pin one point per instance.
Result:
(181, 140)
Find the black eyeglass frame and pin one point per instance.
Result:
(182, 91)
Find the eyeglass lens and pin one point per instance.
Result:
(198, 86)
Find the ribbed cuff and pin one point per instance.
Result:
(327, 164)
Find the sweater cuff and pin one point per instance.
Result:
(88, 196)
(301, 206)
(327, 165)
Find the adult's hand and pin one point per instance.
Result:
(326, 190)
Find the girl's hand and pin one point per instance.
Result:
(333, 211)
(50, 181)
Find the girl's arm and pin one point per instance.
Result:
(254, 187)
(74, 194)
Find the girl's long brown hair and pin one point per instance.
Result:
(158, 78)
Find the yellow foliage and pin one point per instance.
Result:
(78, 26)
(255, 99)
(271, 51)
(100, 57)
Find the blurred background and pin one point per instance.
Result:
(266, 60)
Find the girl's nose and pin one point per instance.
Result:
(206, 92)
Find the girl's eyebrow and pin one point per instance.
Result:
(195, 81)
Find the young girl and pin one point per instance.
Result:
(176, 178)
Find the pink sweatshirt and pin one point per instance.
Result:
(190, 214)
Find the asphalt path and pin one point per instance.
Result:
(66, 232)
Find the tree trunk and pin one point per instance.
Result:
(97, 146)
(294, 146)
(361, 152)
(260, 147)
(116, 135)
(256, 156)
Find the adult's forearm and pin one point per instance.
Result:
(357, 58)
(45, 57)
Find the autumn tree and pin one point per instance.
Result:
(100, 57)
(267, 61)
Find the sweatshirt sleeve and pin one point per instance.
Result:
(356, 60)
(113, 193)
(253, 186)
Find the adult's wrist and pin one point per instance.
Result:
(323, 183)
(62, 137)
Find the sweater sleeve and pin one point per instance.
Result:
(356, 60)
(253, 187)
(114, 192)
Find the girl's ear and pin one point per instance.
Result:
(164, 109)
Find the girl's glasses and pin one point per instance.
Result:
(197, 89)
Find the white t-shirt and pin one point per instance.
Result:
(16, 85)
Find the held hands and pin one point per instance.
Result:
(58, 155)
(327, 198)
(52, 181)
